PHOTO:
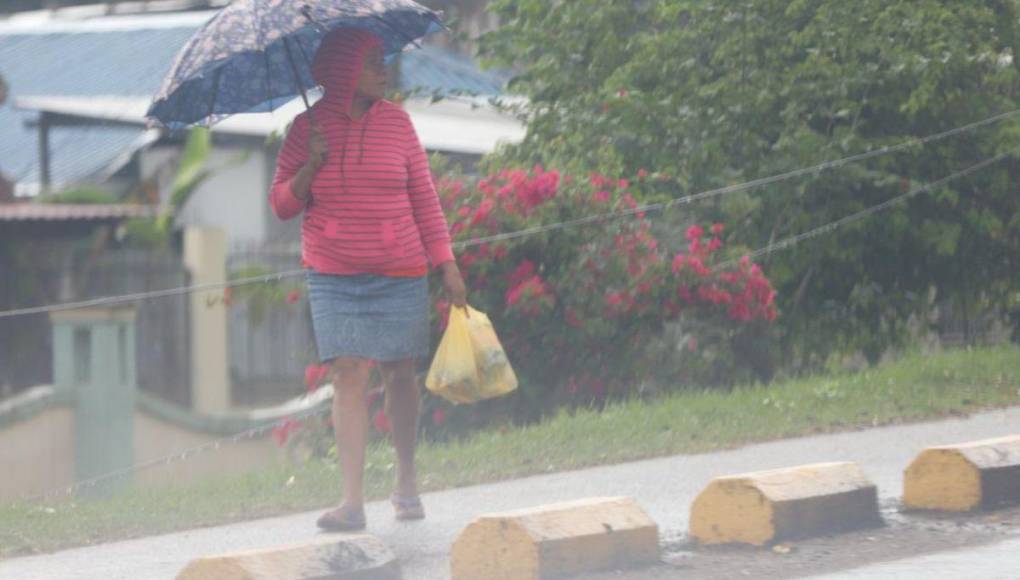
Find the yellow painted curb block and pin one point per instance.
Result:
(796, 502)
(958, 478)
(357, 557)
(558, 539)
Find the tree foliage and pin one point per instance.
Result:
(714, 93)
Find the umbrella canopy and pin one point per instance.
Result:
(255, 55)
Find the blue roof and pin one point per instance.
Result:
(126, 61)
(438, 70)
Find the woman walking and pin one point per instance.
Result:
(372, 225)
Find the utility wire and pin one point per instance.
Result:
(526, 232)
(784, 244)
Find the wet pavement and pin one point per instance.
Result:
(665, 487)
(998, 561)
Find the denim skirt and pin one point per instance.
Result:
(380, 318)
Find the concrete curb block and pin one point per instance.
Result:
(796, 502)
(558, 539)
(358, 557)
(957, 478)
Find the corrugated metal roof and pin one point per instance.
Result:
(60, 211)
(458, 124)
(438, 70)
(128, 56)
(78, 63)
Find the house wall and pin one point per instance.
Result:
(233, 199)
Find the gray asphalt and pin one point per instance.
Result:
(665, 487)
(1000, 561)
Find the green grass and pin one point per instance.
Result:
(913, 388)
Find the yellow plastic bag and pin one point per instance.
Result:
(470, 364)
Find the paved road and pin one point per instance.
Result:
(665, 487)
(999, 561)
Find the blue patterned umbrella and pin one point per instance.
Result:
(255, 55)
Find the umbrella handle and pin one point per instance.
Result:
(297, 78)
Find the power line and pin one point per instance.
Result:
(773, 247)
(653, 207)
(854, 217)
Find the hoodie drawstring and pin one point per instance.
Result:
(361, 144)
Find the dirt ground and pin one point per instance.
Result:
(904, 535)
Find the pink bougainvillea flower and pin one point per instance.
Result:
(315, 376)
(678, 263)
(694, 248)
(524, 270)
(740, 312)
(282, 431)
(615, 298)
(484, 209)
(642, 173)
(600, 196)
(438, 417)
(695, 232)
(382, 422)
(533, 287)
(372, 397)
(699, 267)
(570, 315)
(714, 245)
(717, 229)
(685, 293)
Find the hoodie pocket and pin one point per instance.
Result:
(370, 242)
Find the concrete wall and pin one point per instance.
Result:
(156, 438)
(37, 454)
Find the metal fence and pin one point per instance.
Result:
(269, 328)
(162, 328)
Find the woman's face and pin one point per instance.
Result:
(372, 84)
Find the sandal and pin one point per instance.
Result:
(343, 520)
(408, 508)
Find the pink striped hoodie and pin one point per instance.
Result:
(373, 207)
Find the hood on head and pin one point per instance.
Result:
(338, 64)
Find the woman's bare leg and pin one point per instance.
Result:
(403, 405)
(350, 425)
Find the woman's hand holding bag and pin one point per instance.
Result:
(470, 364)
